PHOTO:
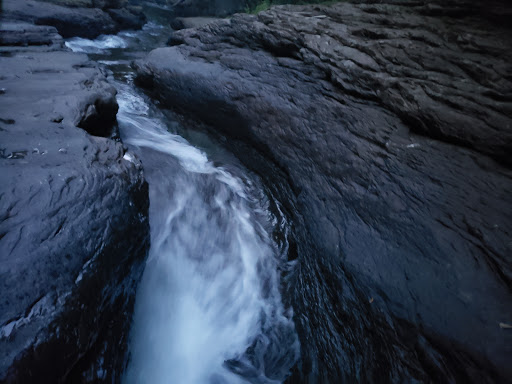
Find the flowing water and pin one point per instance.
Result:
(209, 307)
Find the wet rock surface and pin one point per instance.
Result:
(387, 132)
(74, 18)
(74, 231)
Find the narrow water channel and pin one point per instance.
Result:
(209, 306)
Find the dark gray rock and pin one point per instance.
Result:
(387, 133)
(25, 34)
(496, 11)
(127, 18)
(74, 231)
(219, 8)
(84, 22)
(73, 21)
(191, 22)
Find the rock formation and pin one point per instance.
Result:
(74, 231)
(76, 18)
(210, 7)
(386, 129)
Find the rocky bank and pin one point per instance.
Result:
(386, 129)
(74, 231)
(220, 8)
(84, 18)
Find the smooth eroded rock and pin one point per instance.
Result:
(390, 133)
(74, 230)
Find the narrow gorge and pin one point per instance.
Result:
(312, 193)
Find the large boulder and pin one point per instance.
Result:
(74, 229)
(387, 132)
(127, 18)
(88, 22)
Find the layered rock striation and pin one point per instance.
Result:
(387, 132)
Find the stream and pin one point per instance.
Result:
(209, 307)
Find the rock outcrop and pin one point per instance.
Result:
(77, 18)
(191, 22)
(20, 34)
(219, 8)
(74, 230)
(387, 132)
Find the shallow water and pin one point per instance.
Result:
(209, 307)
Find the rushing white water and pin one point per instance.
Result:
(210, 288)
(208, 308)
(78, 44)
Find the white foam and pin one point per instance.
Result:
(210, 286)
(99, 45)
(129, 157)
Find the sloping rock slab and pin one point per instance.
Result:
(74, 231)
(388, 133)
